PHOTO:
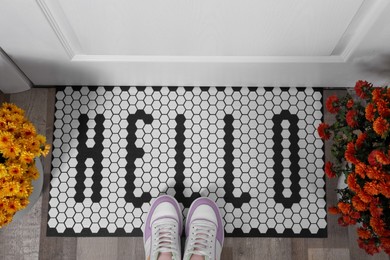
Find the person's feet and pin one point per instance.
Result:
(204, 231)
(163, 228)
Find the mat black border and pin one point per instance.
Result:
(137, 232)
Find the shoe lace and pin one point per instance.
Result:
(202, 239)
(164, 237)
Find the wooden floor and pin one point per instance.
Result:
(26, 239)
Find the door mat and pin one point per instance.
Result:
(255, 151)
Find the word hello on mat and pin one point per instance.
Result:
(95, 152)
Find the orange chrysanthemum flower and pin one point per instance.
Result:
(323, 131)
(351, 118)
(377, 225)
(358, 204)
(381, 126)
(378, 158)
(349, 220)
(355, 215)
(350, 153)
(375, 211)
(360, 169)
(361, 139)
(350, 104)
(345, 208)
(332, 104)
(352, 183)
(376, 94)
(370, 112)
(371, 188)
(369, 245)
(341, 222)
(333, 210)
(363, 233)
(366, 198)
(385, 243)
(383, 108)
(373, 173)
(362, 87)
(329, 170)
(384, 188)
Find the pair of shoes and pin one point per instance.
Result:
(164, 226)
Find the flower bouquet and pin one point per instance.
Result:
(361, 148)
(19, 145)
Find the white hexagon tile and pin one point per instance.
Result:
(253, 150)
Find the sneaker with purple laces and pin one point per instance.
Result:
(204, 230)
(163, 228)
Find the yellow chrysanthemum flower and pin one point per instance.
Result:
(10, 151)
(12, 109)
(46, 150)
(11, 188)
(11, 127)
(24, 201)
(26, 157)
(16, 171)
(5, 138)
(12, 206)
(28, 130)
(32, 172)
(5, 218)
(25, 190)
(33, 146)
(41, 139)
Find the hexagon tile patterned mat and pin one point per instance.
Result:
(255, 151)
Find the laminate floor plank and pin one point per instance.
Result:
(299, 249)
(328, 253)
(130, 248)
(257, 248)
(337, 236)
(52, 248)
(92, 248)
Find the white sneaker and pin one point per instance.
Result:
(204, 230)
(163, 228)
